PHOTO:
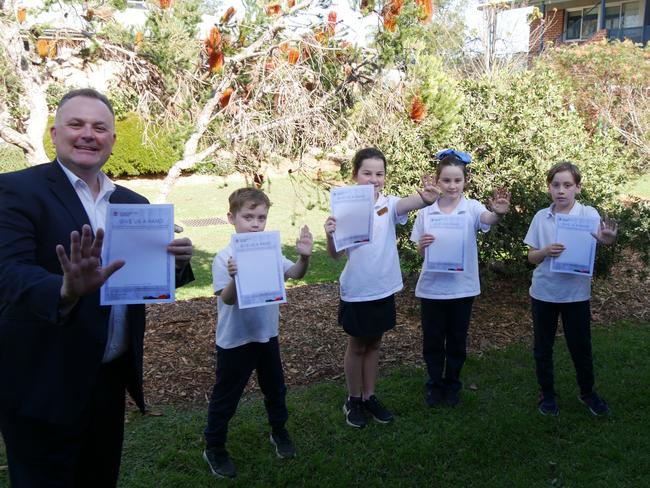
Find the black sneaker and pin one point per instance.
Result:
(547, 404)
(452, 398)
(354, 414)
(434, 396)
(595, 404)
(377, 410)
(219, 461)
(284, 448)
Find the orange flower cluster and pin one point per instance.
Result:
(331, 23)
(418, 109)
(213, 49)
(224, 99)
(138, 38)
(273, 9)
(228, 15)
(46, 48)
(165, 4)
(294, 54)
(21, 14)
(291, 3)
(390, 12)
(427, 10)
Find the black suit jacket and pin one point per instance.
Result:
(47, 368)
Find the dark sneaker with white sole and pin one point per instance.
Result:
(375, 408)
(595, 404)
(284, 447)
(219, 461)
(547, 404)
(354, 412)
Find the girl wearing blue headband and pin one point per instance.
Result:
(447, 294)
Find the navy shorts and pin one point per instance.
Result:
(368, 319)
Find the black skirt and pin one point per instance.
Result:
(368, 319)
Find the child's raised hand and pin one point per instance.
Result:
(607, 231)
(425, 241)
(430, 191)
(305, 242)
(330, 225)
(500, 201)
(232, 267)
(554, 250)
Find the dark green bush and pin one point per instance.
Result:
(11, 158)
(131, 156)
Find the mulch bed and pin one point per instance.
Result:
(179, 342)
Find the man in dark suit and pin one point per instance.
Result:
(66, 361)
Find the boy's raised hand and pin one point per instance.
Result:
(430, 191)
(607, 231)
(500, 201)
(305, 242)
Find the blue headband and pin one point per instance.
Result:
(464, 157)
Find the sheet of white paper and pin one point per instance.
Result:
(260, 270)
(139, 234)
(579, 245)
(353, 208)
(447, 252)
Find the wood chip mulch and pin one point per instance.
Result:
(179, 342)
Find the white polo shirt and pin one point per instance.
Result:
(372, 271)
(446, 286)
(236, 326)
(556, 287)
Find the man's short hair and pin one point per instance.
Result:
(89, 93)
(238, 198)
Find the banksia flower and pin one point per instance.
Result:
(418, 109)
(224, 99)
(291, 3)
(284, 47)
(228, 15)
(21, 14)
(273, 9)
(90, 13)
(215, 61)
(294, 54)
(331, 23)
(138, 38)
(164, 4)
(214, 39)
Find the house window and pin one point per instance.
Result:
(581, 24)
(139, 4)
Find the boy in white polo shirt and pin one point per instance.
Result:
(562, 294)
(446, 298)
(247, 339)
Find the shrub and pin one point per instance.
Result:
(11, 158)
(131, 156)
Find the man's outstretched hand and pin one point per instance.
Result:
(83, 272)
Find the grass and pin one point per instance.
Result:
(291, 208)
(641, 187)
(494, 438)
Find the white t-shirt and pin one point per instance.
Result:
(446, 286)
(372, 271)
(235, 326)
(556, 287)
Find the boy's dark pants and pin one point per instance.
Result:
(234, 368)
(576, 322)
(444, 340)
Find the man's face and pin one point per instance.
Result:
(84, 134)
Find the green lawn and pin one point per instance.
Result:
(641, 187)
(494, 438)
(292, 207)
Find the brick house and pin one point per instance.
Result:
(567, 21)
